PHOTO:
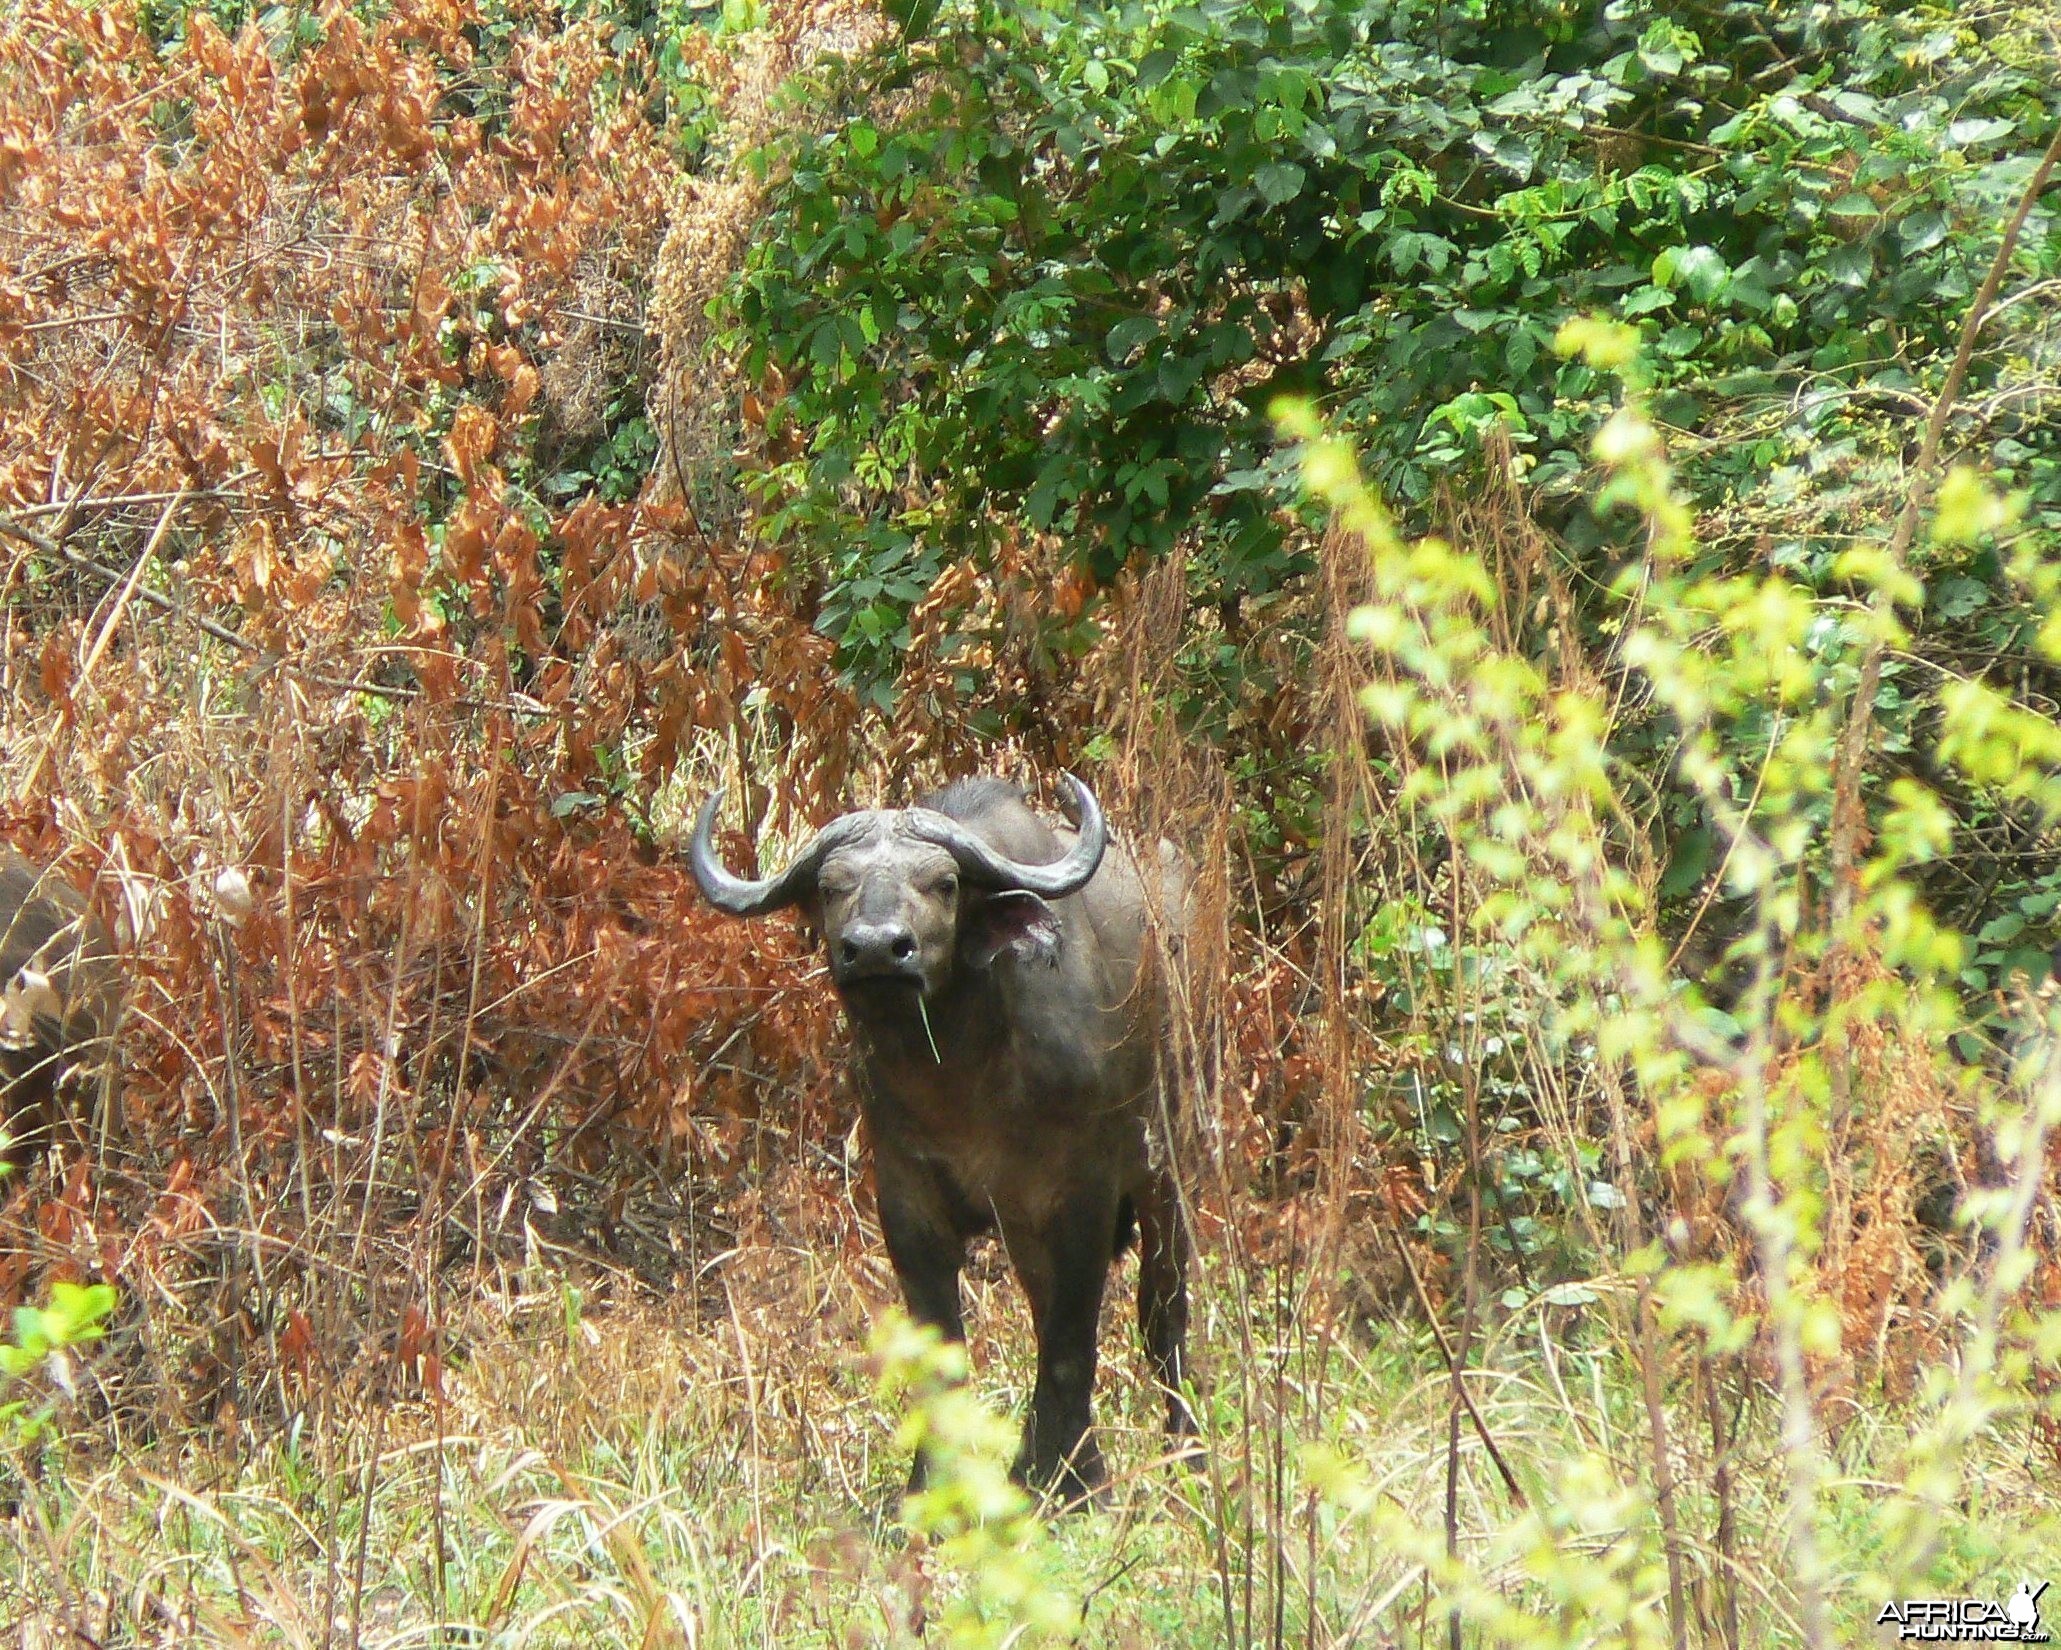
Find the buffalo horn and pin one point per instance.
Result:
(744, 897)
(982, 864)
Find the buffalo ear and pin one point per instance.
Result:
(1018, 924)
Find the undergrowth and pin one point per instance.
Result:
(637, 1478)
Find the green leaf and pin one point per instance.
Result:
(1125, 337)
(1688, 865)
(1155, 66)
(1279, 181)
(1852, 266)
(1699, 268)
(1041, 504)
(1969, 134)
(1512, 154)
(1956, 598)
(1576, 1294)
(1921, 231)
(1968, 509)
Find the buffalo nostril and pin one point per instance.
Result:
(849, 950)
(904, 946)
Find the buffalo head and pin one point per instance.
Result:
(905, 897)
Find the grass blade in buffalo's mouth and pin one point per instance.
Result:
(923, 1009)
(892, 977)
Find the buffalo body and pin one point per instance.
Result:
(1010, 1021)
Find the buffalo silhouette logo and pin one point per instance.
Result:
(1970, 1620)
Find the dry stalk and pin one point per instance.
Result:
(116, 613)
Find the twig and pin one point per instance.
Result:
(1445, 1350)
(1470, 1289)
(1646, 1344)
(608, 322)
(1727, 1517)
(1455, 1618)
(52, 547)
(366, 1482)
(115, 615)
(62, 321)
(115, 501)
(128, 590)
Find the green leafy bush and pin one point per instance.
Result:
(1799, 1109)
(983, 1525)
(1040, 268)
(43, 1341)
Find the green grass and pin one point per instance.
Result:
(641, 1476)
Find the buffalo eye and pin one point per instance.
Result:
(947, 886)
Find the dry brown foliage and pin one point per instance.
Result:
(277, 332)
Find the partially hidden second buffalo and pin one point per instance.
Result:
(61, 999)
(998, 974)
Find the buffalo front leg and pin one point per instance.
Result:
(924, 1246)
(926, 1250)
(1163, 1295)
(1063, 1263)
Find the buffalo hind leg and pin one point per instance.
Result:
(1163, 1296)
(1063, 1263)
(926, 1250)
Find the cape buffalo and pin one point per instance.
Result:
(60, 996)
(1010, 1024)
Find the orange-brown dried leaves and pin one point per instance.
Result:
(305, 291)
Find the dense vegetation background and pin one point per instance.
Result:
(1557, 507)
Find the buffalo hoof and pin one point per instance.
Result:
(1070, 1492)
(1076, 1481)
